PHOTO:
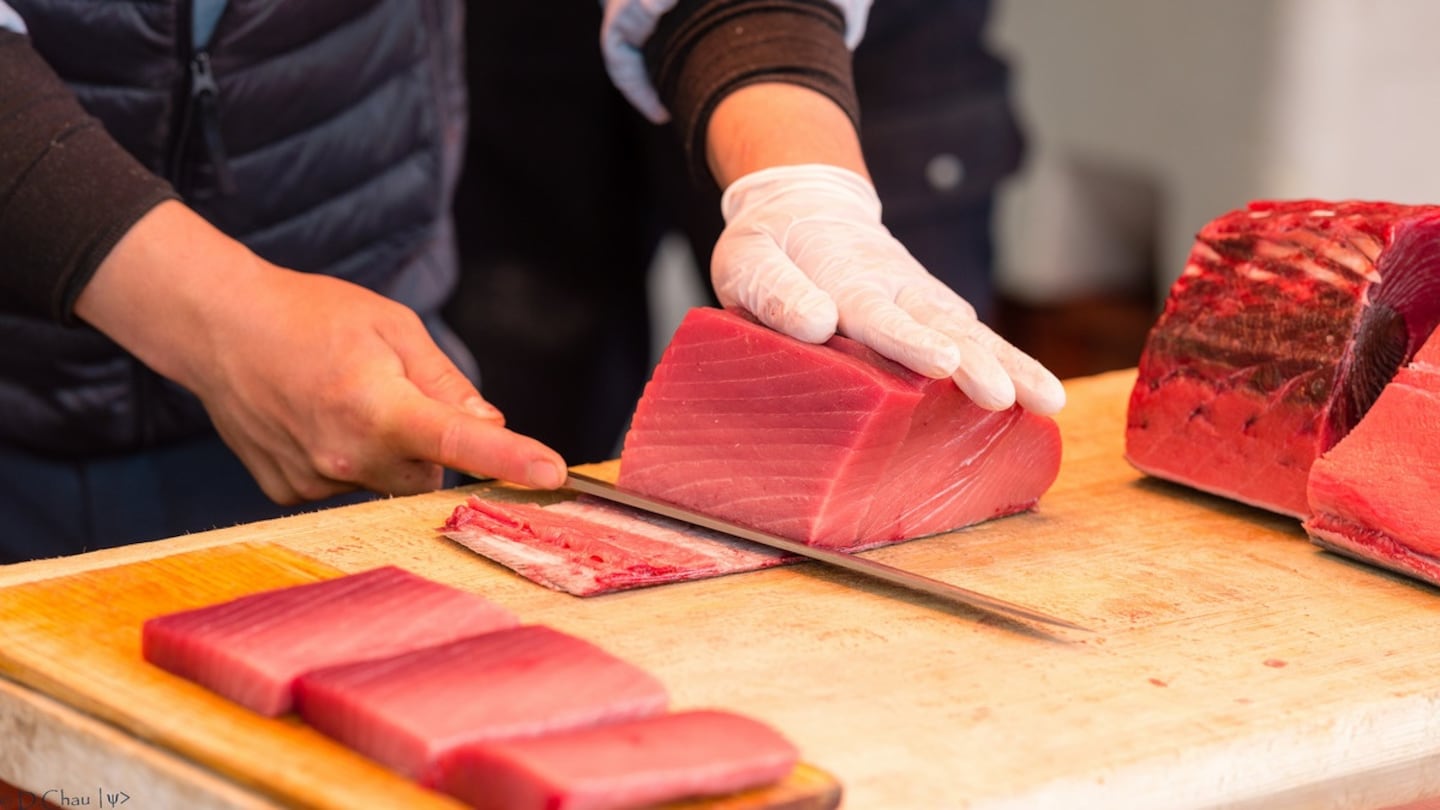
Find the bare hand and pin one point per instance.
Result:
(327, 386)
(318, 385)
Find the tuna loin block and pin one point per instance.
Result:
(408, 711)
(1288, 320)
(253, 648)
(830, 445)
(1373, 495)
(633, 764)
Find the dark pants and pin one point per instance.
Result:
(567, 191)
(54, 508)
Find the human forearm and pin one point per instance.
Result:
(777, 124)
(762, 96)
(68, 192)
(703, 52)
(805, 249)
(154, 292)
(317, 384)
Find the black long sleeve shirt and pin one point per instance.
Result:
(69, 192)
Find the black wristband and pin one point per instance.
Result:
(68, 192)
(703, 50)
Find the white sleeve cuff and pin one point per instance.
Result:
(856, 13)
(10, 19)
(627, 26)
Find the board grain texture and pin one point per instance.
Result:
(1232, 660)
(77, 638)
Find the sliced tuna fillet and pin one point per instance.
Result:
(587, 546)
(1287, 321)
(409, 710)
(253, 648)
(1373, 494)
(831, 445)
(624, 765)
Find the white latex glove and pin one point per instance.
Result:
(629, 23)
(804, 250)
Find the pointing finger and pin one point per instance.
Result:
(445, 435)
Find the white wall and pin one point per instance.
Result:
(1213, 103)
(1359, 111)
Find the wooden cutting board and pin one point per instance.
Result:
(77, 638)
(1232, 660)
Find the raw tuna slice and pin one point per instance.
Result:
(831, 445)
(253, 648)
(1373, 495)
(1288, 320)
(586, 546)
(407, 711)
(624, 765)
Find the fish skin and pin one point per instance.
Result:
(1373, 495)
(1270, 347)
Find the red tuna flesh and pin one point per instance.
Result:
(253, 648)
(585, 546)
(1288, 320)
(409, 710)
(832, 445)
(1373, 495)
(623, 765)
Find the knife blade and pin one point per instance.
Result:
(600, 488)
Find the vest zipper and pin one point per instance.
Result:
(205, 96)
(197, 135)
(198, 114)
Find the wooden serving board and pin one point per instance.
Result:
(77, 639)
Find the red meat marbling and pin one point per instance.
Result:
(1288, 320)
(1374, 495)
(253, 648)
(409, 711)
(832, 445)
(632, 764)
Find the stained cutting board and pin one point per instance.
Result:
(77, 638)
(1232, 662)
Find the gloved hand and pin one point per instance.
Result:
(805, 251)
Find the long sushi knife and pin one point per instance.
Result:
(599, 488)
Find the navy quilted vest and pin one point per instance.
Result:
(324, 134)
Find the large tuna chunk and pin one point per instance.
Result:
(1374, 495)
(832, 445)
(1288, 320)
(253, 648)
